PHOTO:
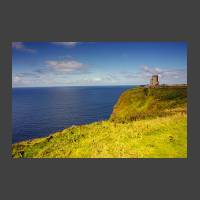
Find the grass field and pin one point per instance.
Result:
(145, 123)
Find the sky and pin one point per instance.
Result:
(44, 64)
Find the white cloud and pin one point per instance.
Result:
(27, 74)
(66, 44)
(21, 47)
(66, 66)
(168, 76)
(142, 76)
(18, 80)
(54, 73)
(25, 78)
(152, 71)
(73, 72)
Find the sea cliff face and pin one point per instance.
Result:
(145, 123)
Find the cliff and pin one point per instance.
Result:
(142, 103)
(145, 123)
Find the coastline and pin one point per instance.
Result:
(74, 138)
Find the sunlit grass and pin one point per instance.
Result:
(144, 124)
(153, 138)
(140, 103)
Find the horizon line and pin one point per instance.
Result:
(75, 86)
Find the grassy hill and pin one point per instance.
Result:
(142, 103)
(145, 123)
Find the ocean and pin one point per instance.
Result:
(38, 112)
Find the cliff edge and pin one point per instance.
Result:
(145, 123)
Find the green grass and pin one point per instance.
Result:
(142, 103)
(160, 134)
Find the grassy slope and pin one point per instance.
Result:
(142, 103)
(145, 123)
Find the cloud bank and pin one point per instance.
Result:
(166, 73)
(66, 66)
(66, 44)
(21, 47)
(74, 72)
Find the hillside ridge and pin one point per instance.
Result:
(144, 102)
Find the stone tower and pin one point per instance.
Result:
(154, 81)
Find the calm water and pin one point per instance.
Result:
(38, 112)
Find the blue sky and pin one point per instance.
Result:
(41, 64)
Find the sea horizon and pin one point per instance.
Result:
(40, 111)
(76, 86)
